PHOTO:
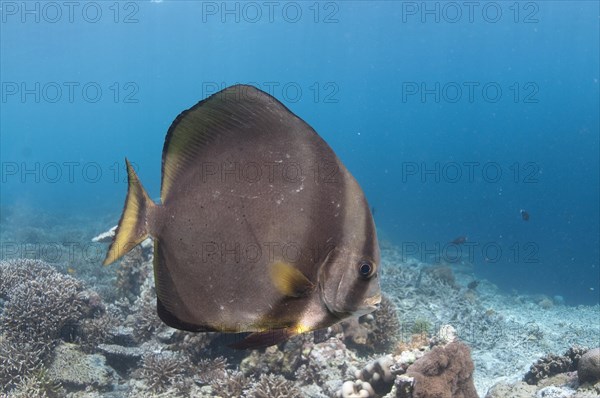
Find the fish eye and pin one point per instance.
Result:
(365, 269)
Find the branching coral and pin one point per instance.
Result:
(37, 385)
(273, 386)
(165, 370)
(45, 306)
(211, 369)
(233, 384)
(14, 272)
(17, 360)
(95, 331)
(41, 308)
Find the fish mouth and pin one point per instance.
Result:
(373, 301)
(370, 304)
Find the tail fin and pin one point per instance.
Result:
(133, 226)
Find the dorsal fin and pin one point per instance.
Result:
(235, 108)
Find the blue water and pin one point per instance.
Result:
(453, 119)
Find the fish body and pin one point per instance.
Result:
(459, 240)
(261, 228)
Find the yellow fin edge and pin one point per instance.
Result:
(132, 229)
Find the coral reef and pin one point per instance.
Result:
(232, 384)
(42, 308)
(132, 273)
(326, 364)
(444, 369)
(17, 360)
(520, 389)
(443, 274)
(378, 375)
(283, 359)
(560, 385)
(58, 338)
(165, 370)
(73, 368)
(356, 389)
(42, 305)
(376, 332)
(555, 376)
(273, 386)
(36, 385)
(385, 331)
(553, 364)
(144, 319)
(208, 370)
(444, 372)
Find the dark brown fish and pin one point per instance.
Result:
(459, 240)
(260, 229)
(524, 215)
(473, 285)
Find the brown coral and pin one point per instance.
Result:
(444, 372)
(553, 364)
(588, 369)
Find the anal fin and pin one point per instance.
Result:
(320, 335)
(264, 339)
(171, 320)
